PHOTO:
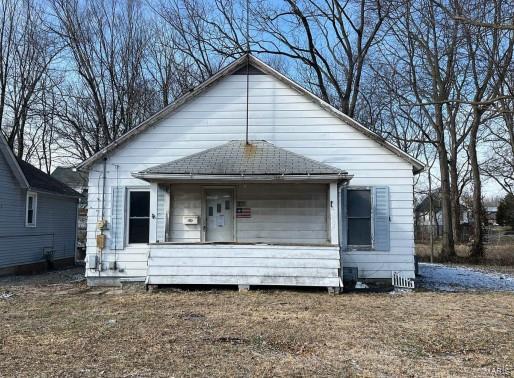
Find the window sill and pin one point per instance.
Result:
(359, 248)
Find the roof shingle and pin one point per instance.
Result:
(238, 158)
(39, 180)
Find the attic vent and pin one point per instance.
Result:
(403, 282)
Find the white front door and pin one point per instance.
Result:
(219, 210)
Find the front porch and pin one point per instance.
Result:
(244, 234)
(245, 214)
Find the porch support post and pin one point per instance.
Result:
(333, 203)
(153, 212)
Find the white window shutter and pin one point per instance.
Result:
(118, 218)
(381, 218)
(162, 212)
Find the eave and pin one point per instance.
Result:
(191, 178)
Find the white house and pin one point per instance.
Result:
(249, 179)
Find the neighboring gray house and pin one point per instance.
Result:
(38, 217)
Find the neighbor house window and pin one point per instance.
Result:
(359, 217)
(31, 210)
(139, 216)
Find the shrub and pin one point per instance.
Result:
(505, 214)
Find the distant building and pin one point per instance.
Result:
(422, 216)
(490, 213)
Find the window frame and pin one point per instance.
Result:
(32, 195)
(361, 247)
(127, 213)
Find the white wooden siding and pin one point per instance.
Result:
(284, 213)
(286, 118)
(243, 265)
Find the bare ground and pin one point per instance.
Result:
(55, 326)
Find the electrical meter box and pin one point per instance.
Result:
(100, 241)
(101, 224)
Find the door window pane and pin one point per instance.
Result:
(139, 204)
(139, 217)
(139, 230)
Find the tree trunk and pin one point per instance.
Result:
(431, 216)
(454, 196)
(447, 243)
(477, 244)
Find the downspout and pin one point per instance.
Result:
(100, 258)
(340, 230)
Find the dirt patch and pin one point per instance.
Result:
(46, 332)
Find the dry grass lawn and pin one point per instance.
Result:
(66, 329)
(495, 254)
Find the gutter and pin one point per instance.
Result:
(242, 177)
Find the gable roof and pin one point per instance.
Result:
(237, 158)
(41, 181)
(234, 67)
(11, 160)
(32, 178)
(424, 206)
(70, 177)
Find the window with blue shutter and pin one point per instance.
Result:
(365, 218)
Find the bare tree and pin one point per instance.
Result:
(499, 165)
(105, 41)
(168, 69)
(10, 16)
(331, 42)
(490, 52)
(423, 57)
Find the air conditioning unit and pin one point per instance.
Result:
(190, 219)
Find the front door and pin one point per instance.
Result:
(219, 206)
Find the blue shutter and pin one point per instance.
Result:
(118, 218)
(381, 218)
(162, 212)
(343, 224)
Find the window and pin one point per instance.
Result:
(31, 210)
(359, 217)
(139, 217)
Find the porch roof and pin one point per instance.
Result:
(258, 159)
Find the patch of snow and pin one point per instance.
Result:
(361, 285)
(439, 277)
(400, 291)
(6, 295)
